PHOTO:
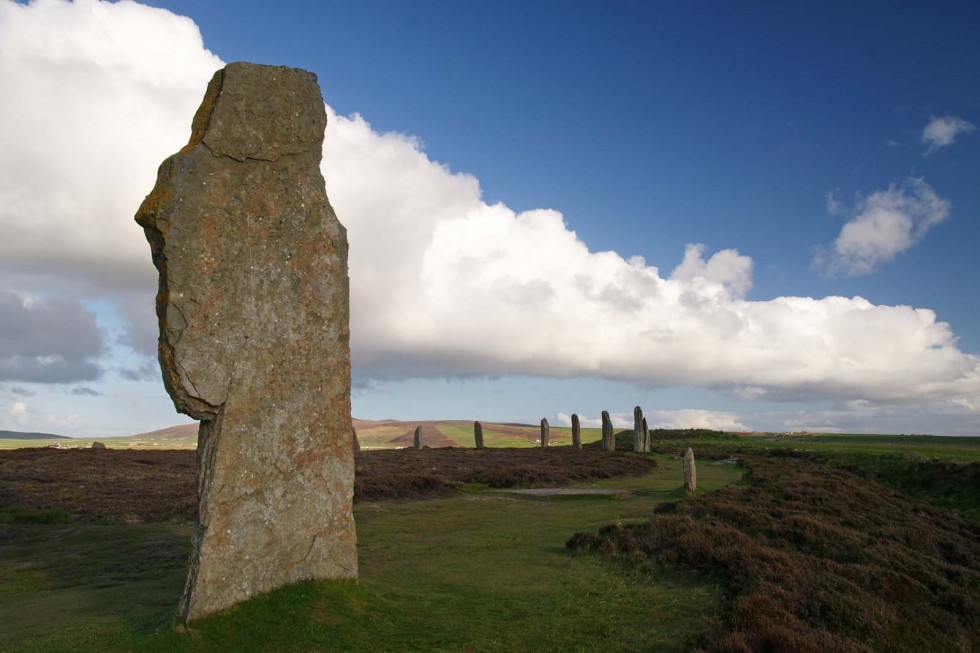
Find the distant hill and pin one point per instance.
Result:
(179, 431)
(17, 435)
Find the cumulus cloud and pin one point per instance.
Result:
(96, 95)
(727, 267)
(943, 131)
(442, 283)
(49, 340)
(886, 223)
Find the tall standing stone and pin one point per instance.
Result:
(646, 436)
(608, 436)
(690, 472)
(637, 429)
(576, 432)
(417, 440)
(253, 307)
(545, 432)
(478, 434)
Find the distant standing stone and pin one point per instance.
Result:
(637, 429)
(357, 443)
(417, 441)
(253, 310)
(545, 432)
(690, 472)
(646, 435)
(608, 436)
(478, 434)
(98, 445)
(576, 432)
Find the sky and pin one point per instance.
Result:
(744, 216)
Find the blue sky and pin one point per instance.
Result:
(815, 151)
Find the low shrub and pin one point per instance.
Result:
(816, 558)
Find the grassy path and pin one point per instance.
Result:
(477, 571)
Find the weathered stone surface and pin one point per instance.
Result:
(576, 432)
(417, 439)
(637, 429)
(478, 434)
(545, 432)
(98, 445)
(254, 319)
(608, 435)
(690, 472)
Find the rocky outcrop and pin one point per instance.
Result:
(253, 307)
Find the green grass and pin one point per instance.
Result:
(480, 570)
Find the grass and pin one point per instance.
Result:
(816, 546)
(476, 570)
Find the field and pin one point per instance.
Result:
(451, 560)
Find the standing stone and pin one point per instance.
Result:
(576, 432)
(646, 436)
(478, 434)
(417, 440)
(253, 307)
(357, 443)
(545, 432)
(637, 429)
(608, 436)
(690, 472)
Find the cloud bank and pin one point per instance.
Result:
(47, 340)
(943, 131)
(887, 223)
(442, 283)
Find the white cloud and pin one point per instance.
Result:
(727, 267)
(442, 283)
(20, 412)
(695, 419)
(619, 420)
(887, 223)
(95, 96)
(942, 132)
(24, 415)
